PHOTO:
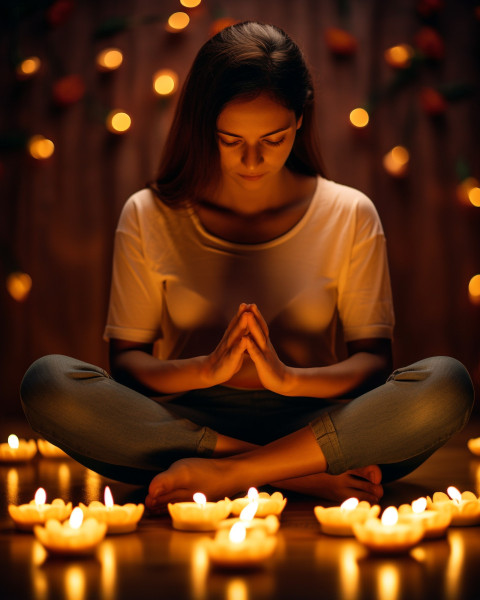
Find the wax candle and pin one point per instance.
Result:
(49, 450)
(74, 537)
(474, 445)
(338, 520)
(17, 450)
(464, 507)
(37, 511)
(270, 524)
(267, 504)
(435, 522)
(238, 547)
(387, 535)
(118, 518)
(199, 515)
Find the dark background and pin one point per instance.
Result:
(58, 216)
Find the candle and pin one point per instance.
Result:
(474, 445)
(464, 507)
(269, 524)
(50, 450)
(17, 450)
(118, 518)
(387, 535)
(338, 520)
(435, 522)
(238, 547)
(74, 537)
(37, 511)
(199, 515)
(267, 504)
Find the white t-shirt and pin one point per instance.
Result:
(178, 286)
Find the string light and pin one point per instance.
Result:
(177, 21)
(40, 147)
(165, 82)
(396, 161)
(118, 121)
(28, 67)
(474, 289)
(399, 57)
(109, 59)
(19, 285)
(359, 117)
(190, 3)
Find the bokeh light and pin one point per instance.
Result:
(165, 82)
(109, 59)
(468, 192)
(118, 121)
(396, 161)
(190, 3)
(40, 147)
(399, 57)
(19, 285)
(28, 67)
(177, 21)
(474, 289)
(359, 117)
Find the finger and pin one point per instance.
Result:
(256, 331)
(239, 329)
(258, 315)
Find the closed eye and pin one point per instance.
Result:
(276, 143)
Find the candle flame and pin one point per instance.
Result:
(13, 441)
(390, 516)
(108, 497)
(249, 511)
(76, 518)
(252, 494)
(454, 494)
(237, 533)
(419, 505)
(40, 496)
(349, 504)
(200, 498)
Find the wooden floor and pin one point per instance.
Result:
(159, 562)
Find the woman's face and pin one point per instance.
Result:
(255, 138)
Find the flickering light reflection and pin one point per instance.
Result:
(455, 563)
(93, 485)
(388, 582)
(237, 589)
(75, 583)
(349, 570)
(12, 486)
(108, 577)
(198, 571)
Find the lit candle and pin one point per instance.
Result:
(435, 522)
(267, 504)
(199, 515)
(74, 537)
(387, 535)
(464, 507)
(37, 511)
(17, 450)
(50, 450)
(238, 547)
(338, 520)
(118, 518)
(474, 445)
(270, 523)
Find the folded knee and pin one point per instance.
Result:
(41, 379)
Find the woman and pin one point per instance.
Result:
(231, 273)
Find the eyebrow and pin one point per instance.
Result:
(264, 135)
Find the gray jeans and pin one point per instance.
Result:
(130, 437)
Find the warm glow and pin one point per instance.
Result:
(19, 285)
(236, 590)
(40, 147)
(454, 494)
(468, 191)
(395, 162)
(418, 506)
(249, 511)
(237, 533)
(118, 121)
(190, 3)
(76, 518)
(200, 498)
(165, 82)
(349, 504)
(474, 196)
(29, 66)
(13, 441)
(474, 289)
(108, 497)
(40, 496)
(178, 21)
(109, 59)
(399, 56)
(359, 117)
(390, 516)
(252, 494)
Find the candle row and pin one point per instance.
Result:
(20, 450)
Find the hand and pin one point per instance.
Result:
(273, 373)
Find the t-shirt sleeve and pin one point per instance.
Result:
(365, 298)
(135, 306)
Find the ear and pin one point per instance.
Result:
(299, 122)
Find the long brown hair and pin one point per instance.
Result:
(243, 60)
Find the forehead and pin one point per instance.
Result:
(261, 114)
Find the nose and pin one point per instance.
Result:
(252, 157)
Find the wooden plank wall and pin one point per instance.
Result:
(59, 215)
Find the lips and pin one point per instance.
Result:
(252, 177)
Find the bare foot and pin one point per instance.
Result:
(363, 484)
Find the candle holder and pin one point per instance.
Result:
(270, 524)
(37, 511)
(464, 507)
(435, 522)
(338, 520)
(118, 518)
(267, 504)
(199, 515)
(474, 445)
(17, 450)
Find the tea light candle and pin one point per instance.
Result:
(338, 520)
(74, 537)
(474, 445)
(49, 450)
(464, 507)
(17, 450)
(270, 524)
(118, 518)
(238, 548)
(387, 535)
(267, 504)
(435, 522)
(199, 515)
(37, 511)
